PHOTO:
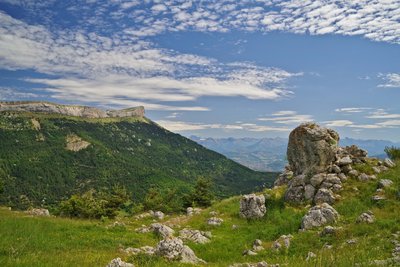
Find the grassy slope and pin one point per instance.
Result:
(28, 241)
(36, 164)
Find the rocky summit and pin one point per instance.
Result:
(70, 110)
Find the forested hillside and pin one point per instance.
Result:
(45, 158)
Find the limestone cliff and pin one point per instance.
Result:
(70, 110)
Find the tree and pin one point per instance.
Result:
(202, 195)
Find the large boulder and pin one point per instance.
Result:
(319, 215)
(311, 149)
(252, 206)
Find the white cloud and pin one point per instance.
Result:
(287, 117)
(181, 126)
(352, 110)
(391, 80)
(95, 68)
(7, 94)
(338, 123)
(382, 114)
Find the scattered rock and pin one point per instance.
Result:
(335, 169)
(324, 196)
(234, 227)
(351, 241)
(159, 215)
(257, 245)
(170, 248)
(329, 230)
(378, 198)
(311, 148)
(192, 211)
(119, 263)
(389, 163)
(366, 217)
(384, 183)
(282, 241)
(213, 213)
(364, 177)
(116, 224)
(215, 221)
(310, 256)
(143, 229)
(38, 212)
(249, 252)
(319, 215)
(376, 170)
(342, 177)
(345, 161)
(162, 230)
(252, 206)
(353, 173)
(143, 250)
(188, 256)
(195, 236)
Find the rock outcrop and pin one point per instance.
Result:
(311, 148)
(318, 216)
(70, 110)
(252, 206)
(195, 236)
(75, 143)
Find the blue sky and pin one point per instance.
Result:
(212, 68)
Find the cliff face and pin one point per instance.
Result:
(69, 110)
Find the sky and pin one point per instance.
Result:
(229, 68)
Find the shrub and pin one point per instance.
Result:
(95, 205)
(393, 152)
(168, 201)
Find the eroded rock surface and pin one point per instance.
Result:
(319, 215)
(252, 206)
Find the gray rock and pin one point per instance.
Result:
(335, 169)
(389, 163)
(385, 183)
(252, 206)
(309, 192)
(353, 173)
(310, 256)
(284, 178)
(257, 245)
(159, 215)
(119, 263)
(282, 241)
(249, 252)
(215, 221)
(295, 194)
(319, 215)
(324, 196)
(329, 230)
(345, 161)
(162, 230)
(311, 148)
(195, 235)
(317, 179)
(188, 256)
(192, 211)
(333, 179)
(342, 177)
(376, 170)
(378, 198)
(364, 177)
(347, 168)
(38, 212)
(366, 217)
(170, 248)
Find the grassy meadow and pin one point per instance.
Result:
(53, 241)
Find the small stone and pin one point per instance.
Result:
(378, 198)
(159, 215)
(335, 169)
(249, 252)
(384, 183)
(234, 227)
(38, 212)
(319, 215)
(215, 221)
(196, 236)
(351, 241)
(389, 163)
(162, 230)
(345, 161)
(324, 196)
(353, 173)
(342, 177)
(328, 230)
(376, 170)
(119, 263)
(366, 217)
(310, 256)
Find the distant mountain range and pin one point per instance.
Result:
(269, 154)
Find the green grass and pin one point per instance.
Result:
(29, 241)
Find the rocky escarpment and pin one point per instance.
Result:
(70, 110)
